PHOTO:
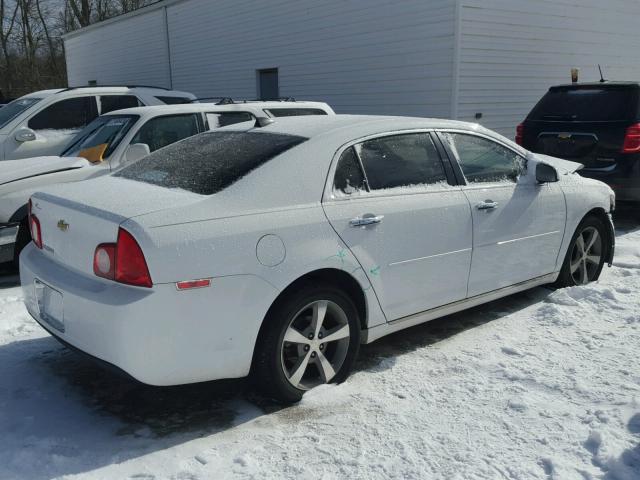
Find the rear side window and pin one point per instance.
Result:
(69, 114)
(587, 105)
(162, 131)
(224, 119)
(295, 112)
(210, 162)
(401, 161)
(174, 100)
(349, 178)
(483, 160)
(109, 103)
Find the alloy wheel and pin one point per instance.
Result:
(315, 344)
(586, 256)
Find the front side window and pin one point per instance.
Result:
(210, 162)
(483, 160)
(110, 103)
(224, 119)
(101, 137)
(295, 112)
(406, 160)
(349, 178)
(162, 131)
(70, 114)
(13, 109)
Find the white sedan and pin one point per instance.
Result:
(276, 250)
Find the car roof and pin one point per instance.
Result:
(605, 84)
(156, 110)
(347, 127)
(109, 89)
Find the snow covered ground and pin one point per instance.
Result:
(541, 385)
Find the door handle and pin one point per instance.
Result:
(487, 205)
(366, 219)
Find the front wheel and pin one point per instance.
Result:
(586, 254)
(309, 339)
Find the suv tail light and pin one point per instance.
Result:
(519, 134)
(122, 262)
(34, 227)
(632, 139)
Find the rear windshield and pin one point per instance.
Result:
(15, 108)
(209, 162)
(587, 105)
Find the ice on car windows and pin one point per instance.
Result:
(483, 160)
(13, 109)
(404, 160)
(349, 178)
(209, 162)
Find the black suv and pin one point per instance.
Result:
(596, 124)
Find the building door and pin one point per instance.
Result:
(268, 84)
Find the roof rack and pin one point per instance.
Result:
(231, 101)
(221, 100)
(124, 86)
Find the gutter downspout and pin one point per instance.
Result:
(166, 31)
(457, 40)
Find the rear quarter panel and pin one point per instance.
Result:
(300, 240)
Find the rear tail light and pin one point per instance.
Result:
(632, 139)
(122, 262)
(34, 227)
(519, 134)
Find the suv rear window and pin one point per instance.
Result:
(295, 112)
(587, 104)
(209, 162)
(174, 100)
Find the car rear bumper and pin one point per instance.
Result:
(8, 235)
(159, 336)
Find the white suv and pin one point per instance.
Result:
(114, 139)
(43, 122)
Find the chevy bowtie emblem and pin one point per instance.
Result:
(63, 226)
(564, 136)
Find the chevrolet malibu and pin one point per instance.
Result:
(277, 249)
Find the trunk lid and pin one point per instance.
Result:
(76, 218)
(14, 170)
(594, 144)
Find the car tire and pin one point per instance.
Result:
(22, 240)
(288, 345)
(585, 256)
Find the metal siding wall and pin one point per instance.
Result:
(373, 56)
(131, 51)
(511, 51)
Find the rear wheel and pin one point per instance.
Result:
(309, 339)
(586, 255)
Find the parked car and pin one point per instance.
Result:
(596, 124)
(278, 250)
(110, 141)
(42, 123)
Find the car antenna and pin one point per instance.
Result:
(263, 122)
(602, 79)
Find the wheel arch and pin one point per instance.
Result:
(602, 215)
(330, 276)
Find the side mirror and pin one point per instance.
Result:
(546, 173)
(25, 135)
(136, 151)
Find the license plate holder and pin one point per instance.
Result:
(50, 305)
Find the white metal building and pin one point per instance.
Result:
(442, 58)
